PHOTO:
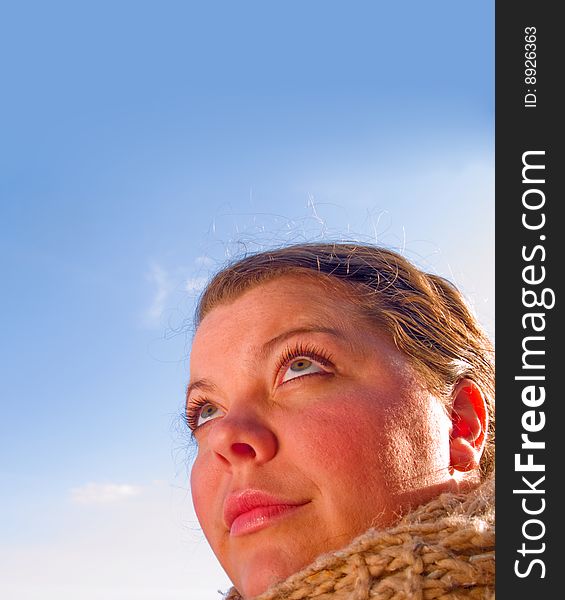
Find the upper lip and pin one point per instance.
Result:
(238, 503)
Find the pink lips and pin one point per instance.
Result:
(251, 510)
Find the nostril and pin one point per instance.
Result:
(243, 450)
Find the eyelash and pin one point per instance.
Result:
(288, 355)
(193, 412)
(308, 350)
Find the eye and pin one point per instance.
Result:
(207, 413)
(200, 412)
(300, 367)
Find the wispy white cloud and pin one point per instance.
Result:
(103, 493)
(170, 287)
(194, 285)
(147, 549)
(162, 283)
(204, 261)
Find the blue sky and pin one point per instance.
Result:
(141, 145)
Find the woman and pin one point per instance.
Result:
(342, 403)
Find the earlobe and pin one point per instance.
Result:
(469, 423)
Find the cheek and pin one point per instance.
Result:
(198, 489)
(204, 486)
(337, 435)
(392, 442)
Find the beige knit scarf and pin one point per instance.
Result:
(443, 550)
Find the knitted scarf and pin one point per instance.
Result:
(443, 550)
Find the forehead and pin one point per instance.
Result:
(270, 308)
(294, 296)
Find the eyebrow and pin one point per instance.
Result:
(204, 385)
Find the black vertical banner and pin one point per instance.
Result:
(530, 262)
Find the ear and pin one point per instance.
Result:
(469, 423)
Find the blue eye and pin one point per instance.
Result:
(200, 411)
(299, 367)
(207, 412)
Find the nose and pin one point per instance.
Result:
(240, 439)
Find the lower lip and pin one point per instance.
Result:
(261, 517)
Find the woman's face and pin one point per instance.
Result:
(311, 427)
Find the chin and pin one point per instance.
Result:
(256, 583)
(267, 568)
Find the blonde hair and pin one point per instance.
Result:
(425, 315)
